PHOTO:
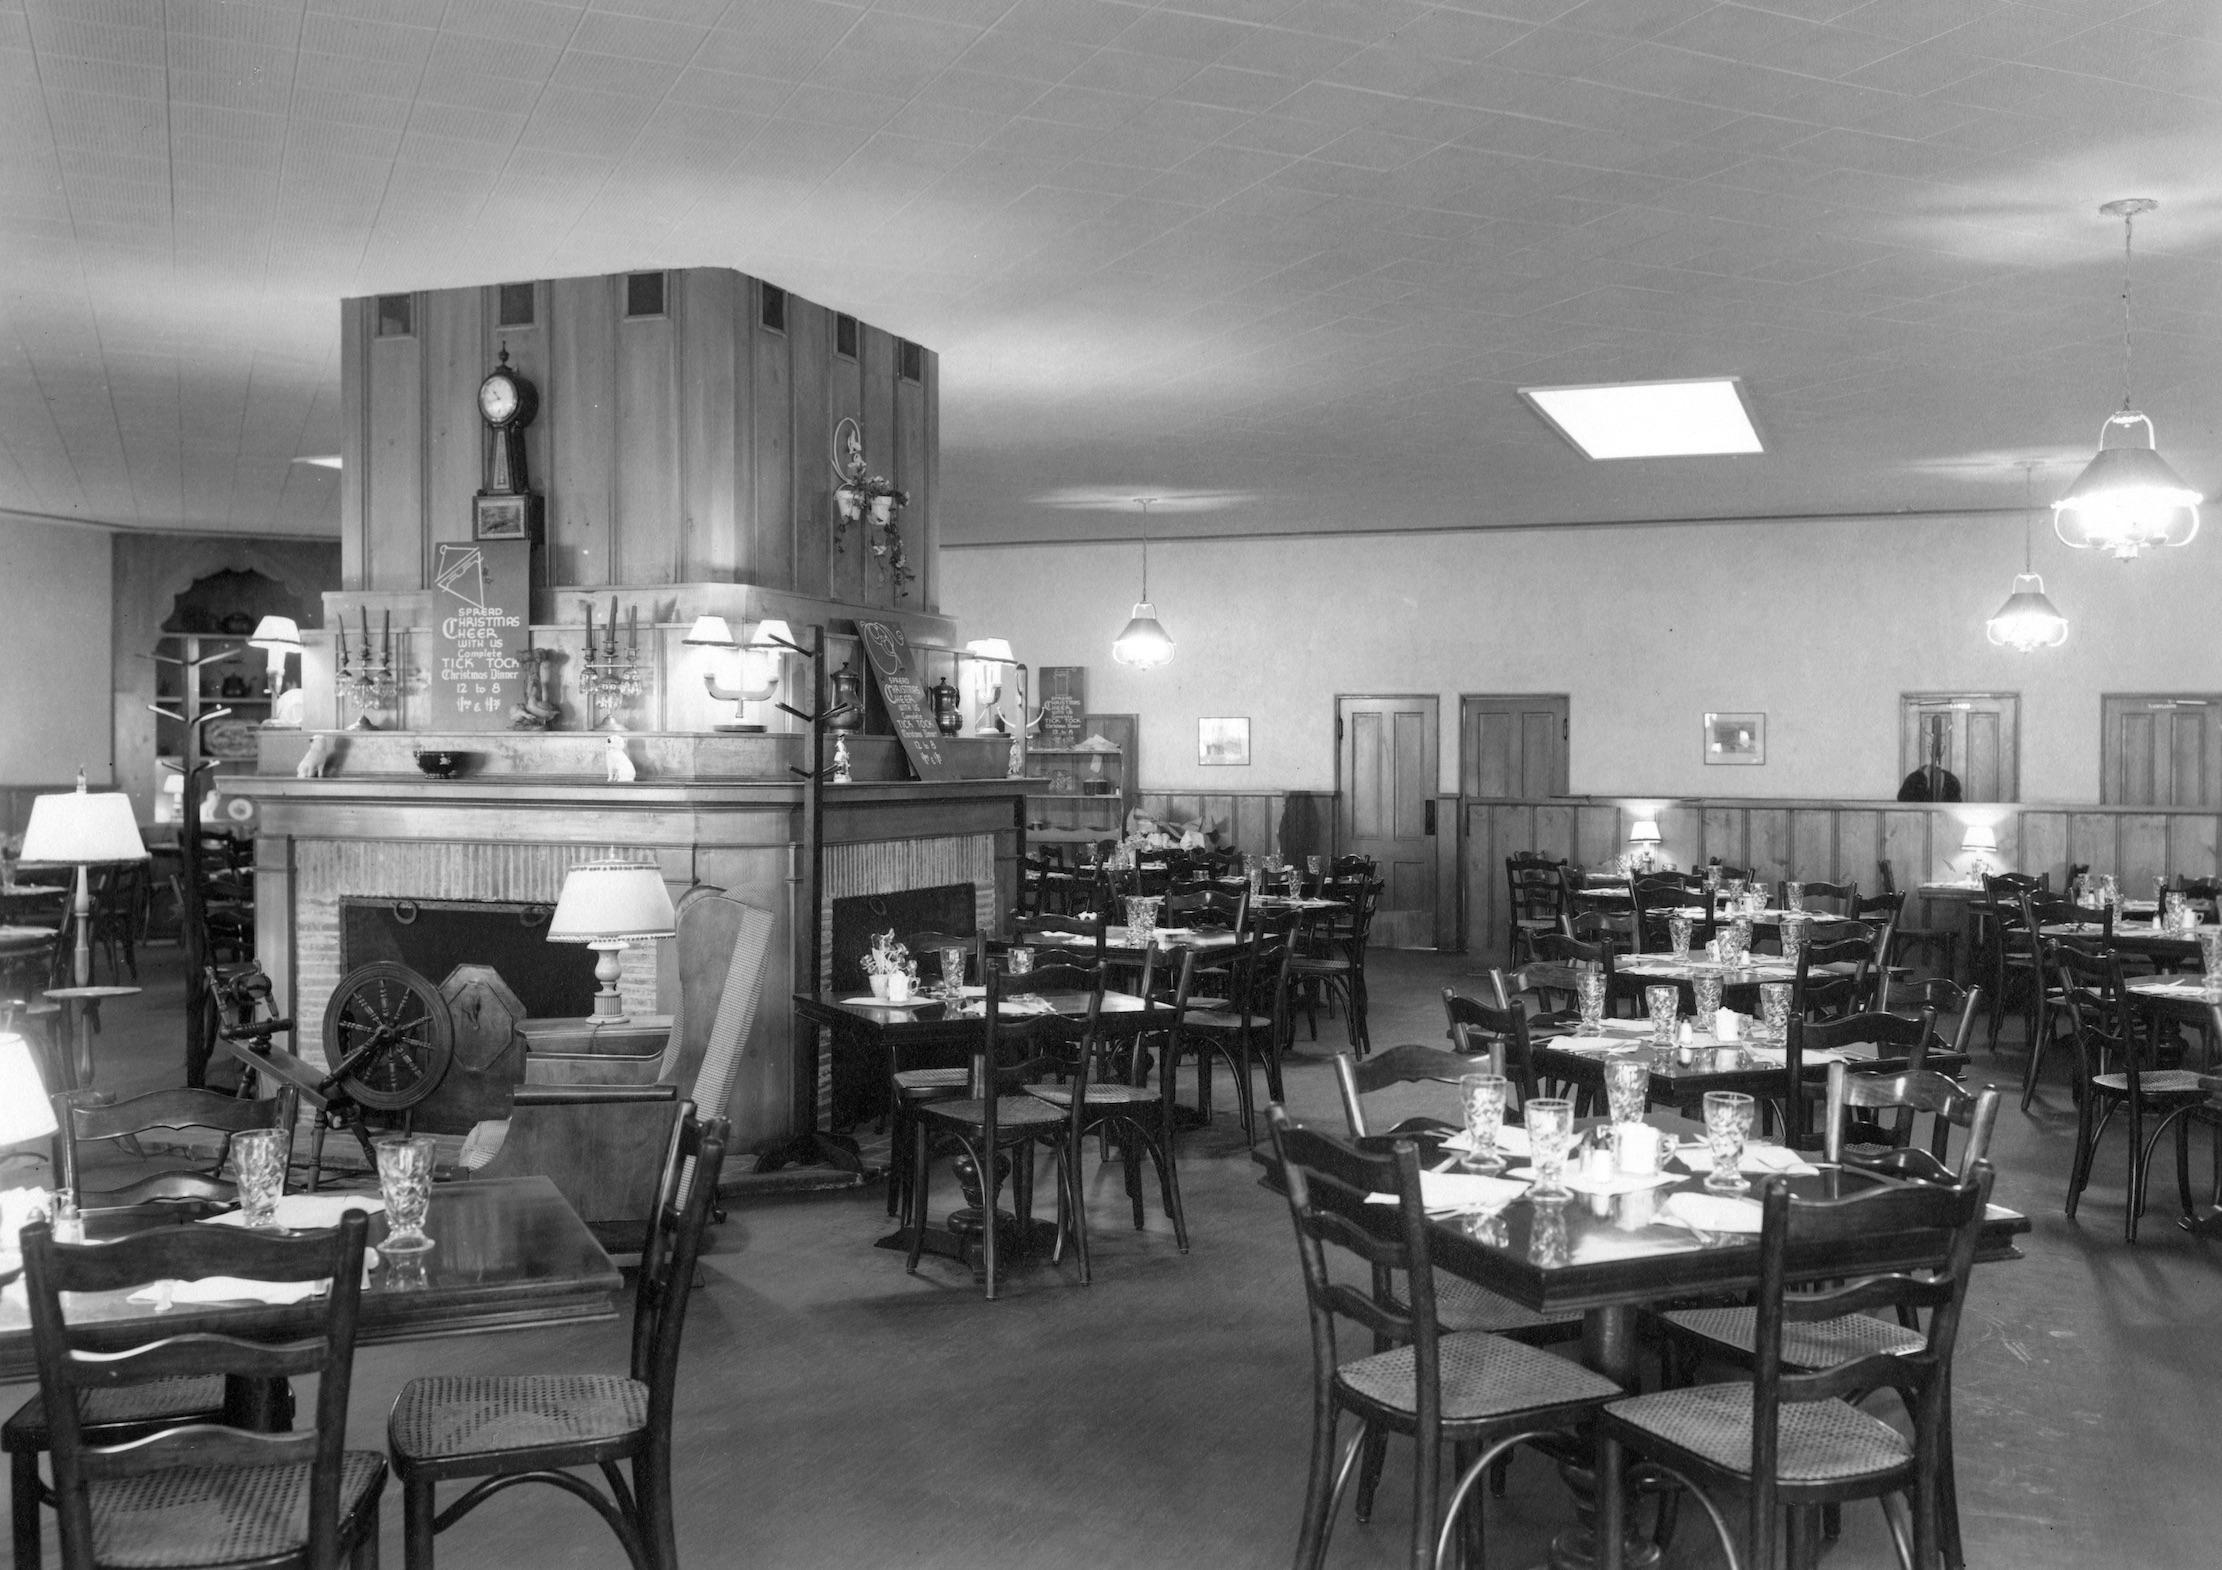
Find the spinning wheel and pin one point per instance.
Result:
(388, 1037)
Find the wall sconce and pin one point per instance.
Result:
(989, 656)
(1980, 842)
(757, 668)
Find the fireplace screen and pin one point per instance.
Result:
(432, 937)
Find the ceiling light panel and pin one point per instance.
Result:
(1684, 419)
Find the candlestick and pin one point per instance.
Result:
(590, 629)
(385, 639)
(366, 634)
(609, 645)
(632, 630)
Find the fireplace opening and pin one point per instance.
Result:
(857, 920)
(432, 937)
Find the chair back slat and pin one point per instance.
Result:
(204, 1444)
(1328, 1182)
(1090, 928)
(202, 1353)
(85, 1115)
(685, 1200)
(1357, 1077)
(1474, 1022)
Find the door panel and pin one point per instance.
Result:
(1975, 735)
(2161, 749)
(1386, 768)
(1512, 747)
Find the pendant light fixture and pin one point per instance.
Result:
(1144, 644)
(2127, 500)
(2028, 621)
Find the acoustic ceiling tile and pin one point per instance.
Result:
(777, 38)
(1124, 71)
(1087, 107)
(316, 74)
(945, 123)
(638, 37)
(1182, 35)
(724, 127)
(359, 38)
(473, 54)
(363, 109)
(1028, 57)
(601, 73)
(527, 21)
(752, 95)
(1086, 174)
(844, 110)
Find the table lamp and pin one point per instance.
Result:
(1979, 841)
(989, 656)
(82, 830)
(1646, 834)
(25, 1112)
(607, 905)
(759, 664)
(280, 638)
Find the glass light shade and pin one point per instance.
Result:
(1645, 833)
(280, 635)
(25, 1113)
(1979, 836)
(710, 632)
(774, 635)
(612, 902)
(991, 649)
(1144, 644)
(2127, 499)
(78, 827)
(2028, 620)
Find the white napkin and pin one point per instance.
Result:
(1512, 1140)
(1765, 1159)
(1619, 1183)
(227, 1289)
(1440, 1191)
(1714, 1212)
(299, 1212)
(873, 1001)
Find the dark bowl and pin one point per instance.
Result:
(442, 765)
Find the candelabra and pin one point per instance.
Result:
(610, 680)
(373, 681)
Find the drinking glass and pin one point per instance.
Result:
(1678, 930)
(258, 1159)
(952, 971)
(2210, 959)
(1708, 990)
(1727, 1120)
(1666, 1005)
(1793, 938)
(1733, 889)
(1314, 866)
(1141, 918)
(1589, 993)
(1548, 1244)
(1627, 1086)
(1018, 961)
(1550, 1121)
(1774, 1008)
(405, 1178)
(1483, 1096)
(1793, 896)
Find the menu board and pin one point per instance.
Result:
(1064, 704)
(482, 601)
(888, 653)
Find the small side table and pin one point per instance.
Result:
(77, 1067)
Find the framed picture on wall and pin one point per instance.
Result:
(1223, 743)
(1736, 738)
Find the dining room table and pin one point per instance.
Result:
(507, 1254)
(1615, 1245)
(2152, 939)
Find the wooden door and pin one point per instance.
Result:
(2160, 749)
(1975, 735)
(1512, 748)
(1385, 793)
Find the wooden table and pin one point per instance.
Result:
(77, 1064)
(2147, 938)
(508, 1254)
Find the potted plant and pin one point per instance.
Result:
(886, 960)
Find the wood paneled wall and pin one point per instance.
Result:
(1834, 841)
(689, 447)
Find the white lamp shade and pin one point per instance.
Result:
(278, 634)
(78, 827)
(2127, 499)
(991, 649)
(1644, 833)
(711, 631)
(25, 1113)
(611, 902)
(1979, 836)
(772, 635)
(1144, 643)
(2028, 620)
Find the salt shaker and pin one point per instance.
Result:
(68, 1226)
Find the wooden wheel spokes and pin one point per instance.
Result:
(387, 1036)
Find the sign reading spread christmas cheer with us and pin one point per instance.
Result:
(482, 624)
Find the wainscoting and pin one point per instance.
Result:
(1832, 841)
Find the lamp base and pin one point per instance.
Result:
(609, 1007)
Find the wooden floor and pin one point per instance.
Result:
(836, 1412)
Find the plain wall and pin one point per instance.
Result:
(54, 653)
(1818, 624)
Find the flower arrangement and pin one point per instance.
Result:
(887, 957)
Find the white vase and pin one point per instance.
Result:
(878, 978)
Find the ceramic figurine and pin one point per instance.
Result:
(312, 761)
(620, 764)
(840, 760)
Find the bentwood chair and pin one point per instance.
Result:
(925, 948)
(1002, 1115)
(2010, 946)
(1944, 942)
(1482, 1394)
(1795, 1438)
(1834, 978)
(202, 1494)
(1334, 960)
(1535, 899)
(1251, 1030)
(1500, 1029)
(1825, 899)
(500, 1430)
(2095, 1008)
(1656, 900)
(1088, 929)
(84, 1117)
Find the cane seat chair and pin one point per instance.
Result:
(1088, 930)
(1479, 1393)
(2095, 1008)
(1001, 1116)
(84, 1116)
(2044, 996)
(1839, 898)
(1333, 960)
(1536, 899)
(1476, 1027)
(497, 1431)
(1252, 1030)
(1836, 977)
(2010, 947)
(200, 1493)
(1798, 1440)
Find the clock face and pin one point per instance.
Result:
(498, 398)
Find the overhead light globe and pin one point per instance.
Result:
(2028, 621)
(1144, 643)
(2127, 499)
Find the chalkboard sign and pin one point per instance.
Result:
(1064, 703)
(482, 601)
(888, 653)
